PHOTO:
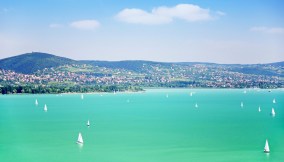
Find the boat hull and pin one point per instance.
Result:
(78, 142)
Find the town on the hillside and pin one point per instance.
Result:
(87, 78)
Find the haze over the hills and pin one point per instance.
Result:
(167, 31)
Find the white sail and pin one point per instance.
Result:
(36, 103)
(274, 101)
(266, 147)
(272, 112)
(82, 96)
(259, 110)
(80, 139)
(191, 93)
(45, 108)
(88, 123)
(196, 105)
(242, 104)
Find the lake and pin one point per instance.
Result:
(156, 125)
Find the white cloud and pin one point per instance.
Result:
(270, 30)
(139, 16)
(55, 25)
(163, 14)
(220, 13)
(85, 24)
(187, 12)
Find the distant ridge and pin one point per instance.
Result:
(277, 63)
(31, 62)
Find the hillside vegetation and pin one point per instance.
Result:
(53, 74)
(31, 62)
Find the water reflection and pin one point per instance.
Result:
(80, 146)
(267, 155)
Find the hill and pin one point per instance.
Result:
(53, 74)
(133, 65)
(31, 62)
(277, 63)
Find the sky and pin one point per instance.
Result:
(218, 31)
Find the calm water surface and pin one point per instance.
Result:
(158, 125)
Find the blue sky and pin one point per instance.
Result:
(219, 31)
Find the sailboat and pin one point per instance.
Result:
(191, 93)
(88, 123)
(266, 147)
(242, 104)
(80, 139)
(259, 110)
(272, 112)
(36, 103)
(196, 105)
(45, 108)
(274, 101)
(82, 96)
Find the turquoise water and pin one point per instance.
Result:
(146, 127)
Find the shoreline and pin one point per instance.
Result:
(146, 89)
